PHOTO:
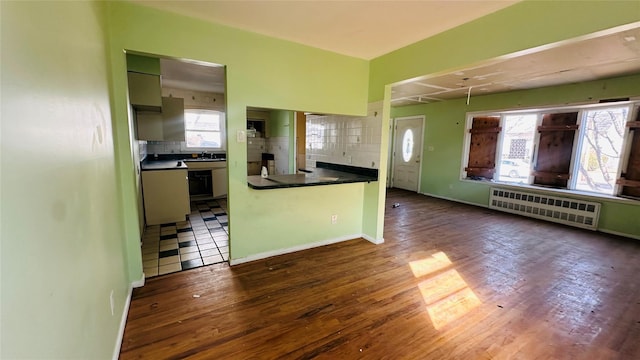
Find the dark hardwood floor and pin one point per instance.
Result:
(451, 281)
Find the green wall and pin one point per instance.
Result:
(444, 131)
(143, 64)
(70, 235)
(280, 122)
(522, 26)
(261, 72)
(62, 249)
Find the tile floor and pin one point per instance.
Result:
(201, 240)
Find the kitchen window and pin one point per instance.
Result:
(594, 148)
(204, 129)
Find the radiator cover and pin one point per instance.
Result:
(579, 213)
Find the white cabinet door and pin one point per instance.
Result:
(149, 126)
(219, 180)
(167, 125)
(166, 196)
(173, 119)
(144, 91)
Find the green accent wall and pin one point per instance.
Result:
(520, 27)
(445, 132)
(70, 221)
(143, 64)
(63, 253)
(282, 123)
(261, 72)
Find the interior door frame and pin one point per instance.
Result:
(392, 141)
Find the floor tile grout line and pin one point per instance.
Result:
(173, 229)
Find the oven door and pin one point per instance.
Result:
(200, 183)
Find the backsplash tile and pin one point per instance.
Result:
(346, 140)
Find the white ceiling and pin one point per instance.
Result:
(600, 57)
(362, 29)
(192, 76)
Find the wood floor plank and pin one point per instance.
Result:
(451, 281)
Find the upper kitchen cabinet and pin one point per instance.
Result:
(145, 92)
(173, 118)
(167, 125)
(257, 122)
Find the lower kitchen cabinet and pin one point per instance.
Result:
(219, 180)
(218, 184)
(166, 196)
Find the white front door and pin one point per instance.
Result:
(407, 151)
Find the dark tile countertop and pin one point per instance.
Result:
(322, 174)
(173, 162)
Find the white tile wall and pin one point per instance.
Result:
(142, 148)
(163, 147)
(347, 140)
(278, 146)
(255, 148)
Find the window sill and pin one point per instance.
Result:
(572, 193)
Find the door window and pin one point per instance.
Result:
(407, 145)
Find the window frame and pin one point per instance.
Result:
(633, 112)
(222, 131)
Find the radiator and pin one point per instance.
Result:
(579, 213)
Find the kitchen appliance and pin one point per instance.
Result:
(200, 183)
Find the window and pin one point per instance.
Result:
(204, 129)
(593, 148)
(517, 147)
(600, 154)
(407, 145)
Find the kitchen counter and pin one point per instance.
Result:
(323, 174)
(163, 165)
(170, 162)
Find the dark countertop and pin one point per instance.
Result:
(163, 165)
(315, 176)
(172, 162)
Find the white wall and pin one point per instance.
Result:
(347, 140)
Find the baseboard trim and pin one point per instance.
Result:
(138, 283)
(268, 254)
(123, 321)
(454, 200)
(373, 240)
(617, 233)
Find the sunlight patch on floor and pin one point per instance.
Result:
(426, 266)
(446, 294)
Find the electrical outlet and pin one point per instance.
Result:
(334, 219)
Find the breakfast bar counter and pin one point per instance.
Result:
(322, 174)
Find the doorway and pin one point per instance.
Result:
(188, 129)
(407, 152)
